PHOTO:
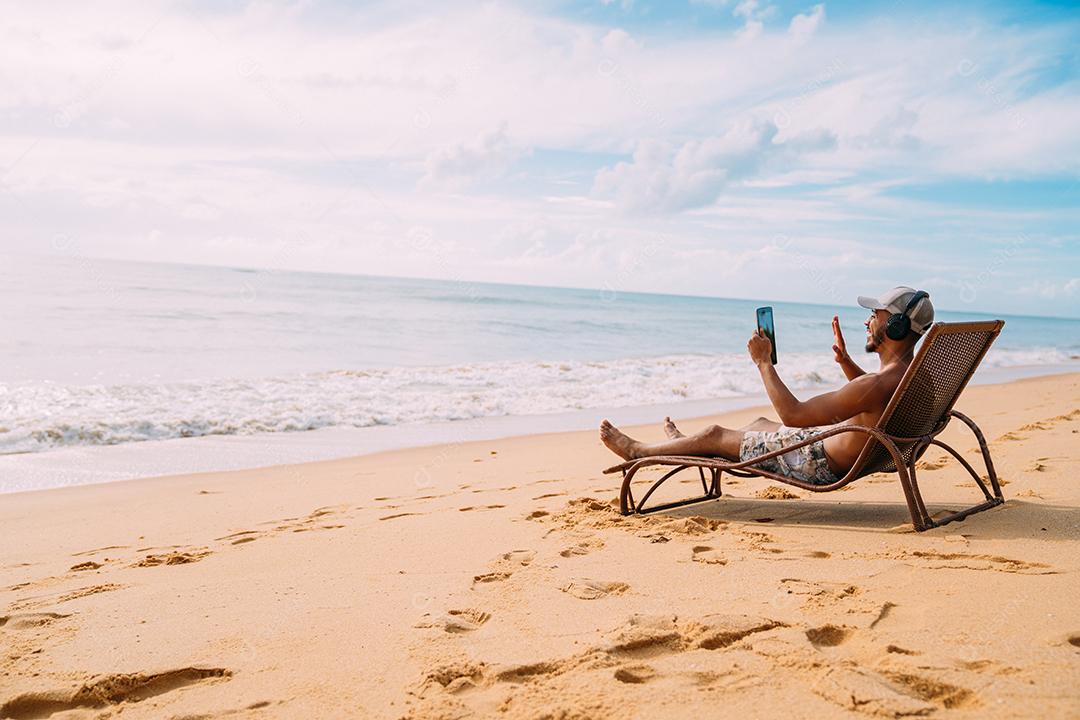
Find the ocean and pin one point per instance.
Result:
(101, 353)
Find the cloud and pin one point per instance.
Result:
(1049, 290)
(488, 157)
(618, 41)
(802, 27)
(665, 178)
(753, 14)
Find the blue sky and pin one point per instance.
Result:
(797, 151)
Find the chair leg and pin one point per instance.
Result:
(627, 505)
(992, 500)
(985, 449)
(920, 519)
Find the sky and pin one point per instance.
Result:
(790, 151)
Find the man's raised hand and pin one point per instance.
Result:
(851, 370)
(839, 347)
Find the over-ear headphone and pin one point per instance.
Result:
(899, 324)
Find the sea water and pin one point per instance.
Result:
(101, 353)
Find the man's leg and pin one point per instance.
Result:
(713, 441)
(762, 423)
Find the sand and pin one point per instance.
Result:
(497, 579)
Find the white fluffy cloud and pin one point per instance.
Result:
(665, 178)
(487, 157)
(804, 26)
(1048, 290)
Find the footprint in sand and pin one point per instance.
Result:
(1037, 425)
(582, 548)
(40, 600)
(828, 635)
(23, 621)
(931, 464)
(457, 621)
(651, 635)
(862, 691)
(172, 558)
(707, 555)
(491, 577)
(985, 666)
(320, 527)
(105, 691)
(897, 650)
(457, 677)
(518, 557)
(546, 480)
(965, 561)
(526, 672)
(587, 589)
(88, 565)
(399, 515)
(817, 594)
(317, 519)
(758, 540)
(505, 565)
(239, 538)
(635, 674)
(327, 510)
(931, 690)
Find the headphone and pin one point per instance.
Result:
(899, 324)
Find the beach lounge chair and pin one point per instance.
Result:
(919, 410)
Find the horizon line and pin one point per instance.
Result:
(503, 283)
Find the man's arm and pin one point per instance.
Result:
(832, 407)
(851, 370)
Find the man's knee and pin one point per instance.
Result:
(715, 432)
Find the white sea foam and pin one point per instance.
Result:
(41, 416)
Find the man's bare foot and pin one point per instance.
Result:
(619, 442)
(672, 432)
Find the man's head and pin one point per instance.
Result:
(897, 304)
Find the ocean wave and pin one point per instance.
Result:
(42, 416)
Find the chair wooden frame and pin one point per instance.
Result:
(902, 452)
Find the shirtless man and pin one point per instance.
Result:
(860, 402)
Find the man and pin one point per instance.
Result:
(860, 402)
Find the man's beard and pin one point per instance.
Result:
(874, 341)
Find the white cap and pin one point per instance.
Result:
(896, 300)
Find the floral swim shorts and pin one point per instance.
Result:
(807, 463)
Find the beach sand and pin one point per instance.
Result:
(497, 578)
